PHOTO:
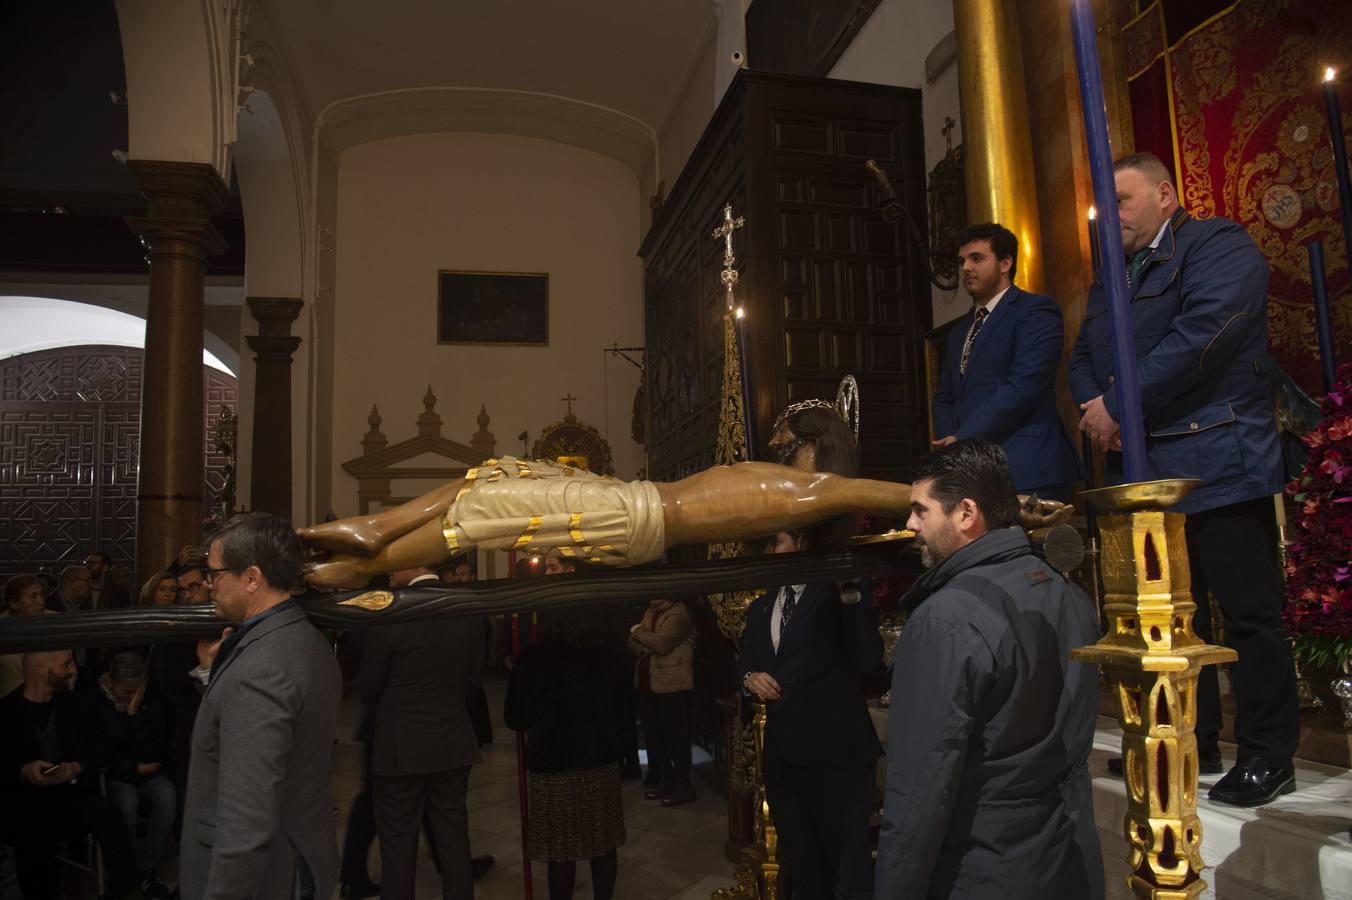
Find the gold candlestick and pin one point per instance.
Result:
(1152, 658)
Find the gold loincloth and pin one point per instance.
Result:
(533, 506)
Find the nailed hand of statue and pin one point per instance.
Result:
(1035, 513)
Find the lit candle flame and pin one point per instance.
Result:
(741, 313)
(1093, 214)
(1330, 73)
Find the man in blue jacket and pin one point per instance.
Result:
(1198, 292)
(999, 373)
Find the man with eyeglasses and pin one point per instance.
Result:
(258, 820)
(192, 585)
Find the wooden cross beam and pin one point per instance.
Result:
(119, 627)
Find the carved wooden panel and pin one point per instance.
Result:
(831, 287)
(69, 451)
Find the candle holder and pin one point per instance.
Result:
(1152, 657)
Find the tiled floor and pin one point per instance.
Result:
(670, 853)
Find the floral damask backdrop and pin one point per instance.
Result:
(1229, 95)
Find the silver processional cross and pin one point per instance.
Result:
(724, 231)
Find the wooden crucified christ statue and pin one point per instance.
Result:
(532, 506)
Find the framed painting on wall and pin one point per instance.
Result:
(492, 308)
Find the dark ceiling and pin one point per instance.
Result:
(62, 192)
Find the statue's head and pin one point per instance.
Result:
(816, 439)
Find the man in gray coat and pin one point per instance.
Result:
(258, 821)
(988, 791)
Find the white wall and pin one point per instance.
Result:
(891, 48)
(412, 205)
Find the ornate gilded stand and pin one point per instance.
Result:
(1152, 658)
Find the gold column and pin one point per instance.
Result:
(996, 142)
(177, 232)
(1152, 658)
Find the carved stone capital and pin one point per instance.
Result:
(272, 348)
(193, 238)
(274, 314)
(179, 190)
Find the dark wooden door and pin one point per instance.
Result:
(69, 451)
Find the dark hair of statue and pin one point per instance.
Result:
(1002, 240)
(262, 540)
(830, 434)
(972, 470)
(17, 585)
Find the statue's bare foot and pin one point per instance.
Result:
(355, 536)
(1035, 513)
(341, 573)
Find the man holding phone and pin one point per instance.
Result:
(49, 782)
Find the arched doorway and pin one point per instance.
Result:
(69, 430)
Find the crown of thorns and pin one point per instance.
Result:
(846, 406)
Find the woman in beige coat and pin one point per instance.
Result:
(664, 642)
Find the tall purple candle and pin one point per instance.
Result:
(1339, 155)
(1323, 324)
(1114, 272)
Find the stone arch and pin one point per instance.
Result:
(182, 65)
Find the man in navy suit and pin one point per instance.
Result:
(999, 372)
(804, 651)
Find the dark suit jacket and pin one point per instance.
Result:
(418, 675)
(1009, 392)
(259, 789)
(821, 718)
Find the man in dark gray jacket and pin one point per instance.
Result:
(258, 820)
(989, 732)
(418, 675)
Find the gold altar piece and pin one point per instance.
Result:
(1152, 658)
(758, 871)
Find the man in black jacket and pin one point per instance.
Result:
(989, 732)
(418, 675)
(49, 780)
(804, 651)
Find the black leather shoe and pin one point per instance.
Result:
(357, 891)
(656, 793)
(1254, 782)
(480, 865)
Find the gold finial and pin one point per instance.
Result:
(429, 399)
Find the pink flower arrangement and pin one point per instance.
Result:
(1319, 564)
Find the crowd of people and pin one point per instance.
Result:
(987, 787)
(97, 741)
